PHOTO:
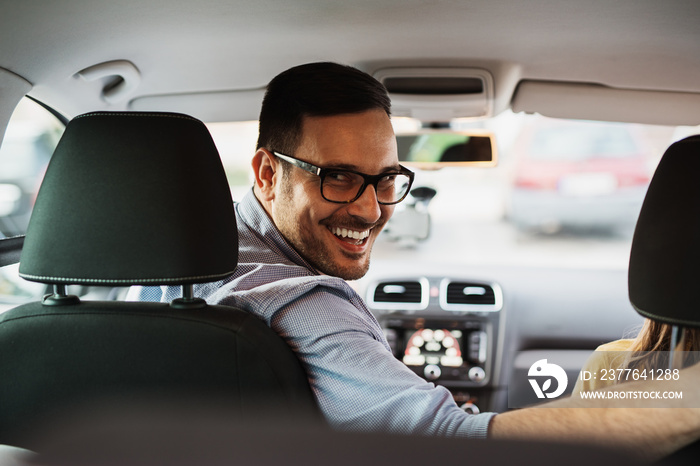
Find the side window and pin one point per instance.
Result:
(30, 138)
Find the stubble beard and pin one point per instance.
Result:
(315, 251)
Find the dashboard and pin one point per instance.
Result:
(478, 331)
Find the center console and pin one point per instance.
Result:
(445, 330)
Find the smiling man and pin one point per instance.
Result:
(333, 215)
(326, 168)
(327, 179)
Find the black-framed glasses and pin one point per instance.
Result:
(343, 186)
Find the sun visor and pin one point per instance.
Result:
(438, 94)
(585, 101)
(210, 107)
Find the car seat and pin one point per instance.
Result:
(135, 199)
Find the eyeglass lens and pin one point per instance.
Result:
(342, 186)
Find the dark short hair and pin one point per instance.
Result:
(314, 89)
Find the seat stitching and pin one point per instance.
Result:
(134, 114)
(123, 280)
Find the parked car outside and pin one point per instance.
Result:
(579, 175)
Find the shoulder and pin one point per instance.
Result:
(275, 284)
(608, 355)
(273, 290)
(617, 345)
(305, 308)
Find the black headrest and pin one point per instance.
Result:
(664, 269)
(132, 198)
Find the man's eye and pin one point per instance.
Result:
(387, 182)
(339, 177)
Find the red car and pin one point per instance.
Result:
(580, 175)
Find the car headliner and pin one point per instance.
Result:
(212, 58)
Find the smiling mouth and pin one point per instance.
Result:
(355, 237)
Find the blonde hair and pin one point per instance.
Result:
(654, 342)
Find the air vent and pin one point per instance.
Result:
(400, 294)
(470, 293)
(470, 296)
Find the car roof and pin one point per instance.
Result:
(628, 60)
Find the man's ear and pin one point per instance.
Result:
(266, 169)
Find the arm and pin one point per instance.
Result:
(629, 424)
(358, 382)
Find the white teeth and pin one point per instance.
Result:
(345, 233)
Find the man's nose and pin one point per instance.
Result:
(366, 206)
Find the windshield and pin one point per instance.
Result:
(564, 194)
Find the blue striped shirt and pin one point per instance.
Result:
(357, 381)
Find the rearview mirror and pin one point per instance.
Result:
(439, 148)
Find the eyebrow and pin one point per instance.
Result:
(347, 166)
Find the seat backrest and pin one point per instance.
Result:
(135, 199)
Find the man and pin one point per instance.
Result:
(327, 179)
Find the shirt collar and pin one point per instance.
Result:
(251, 212)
